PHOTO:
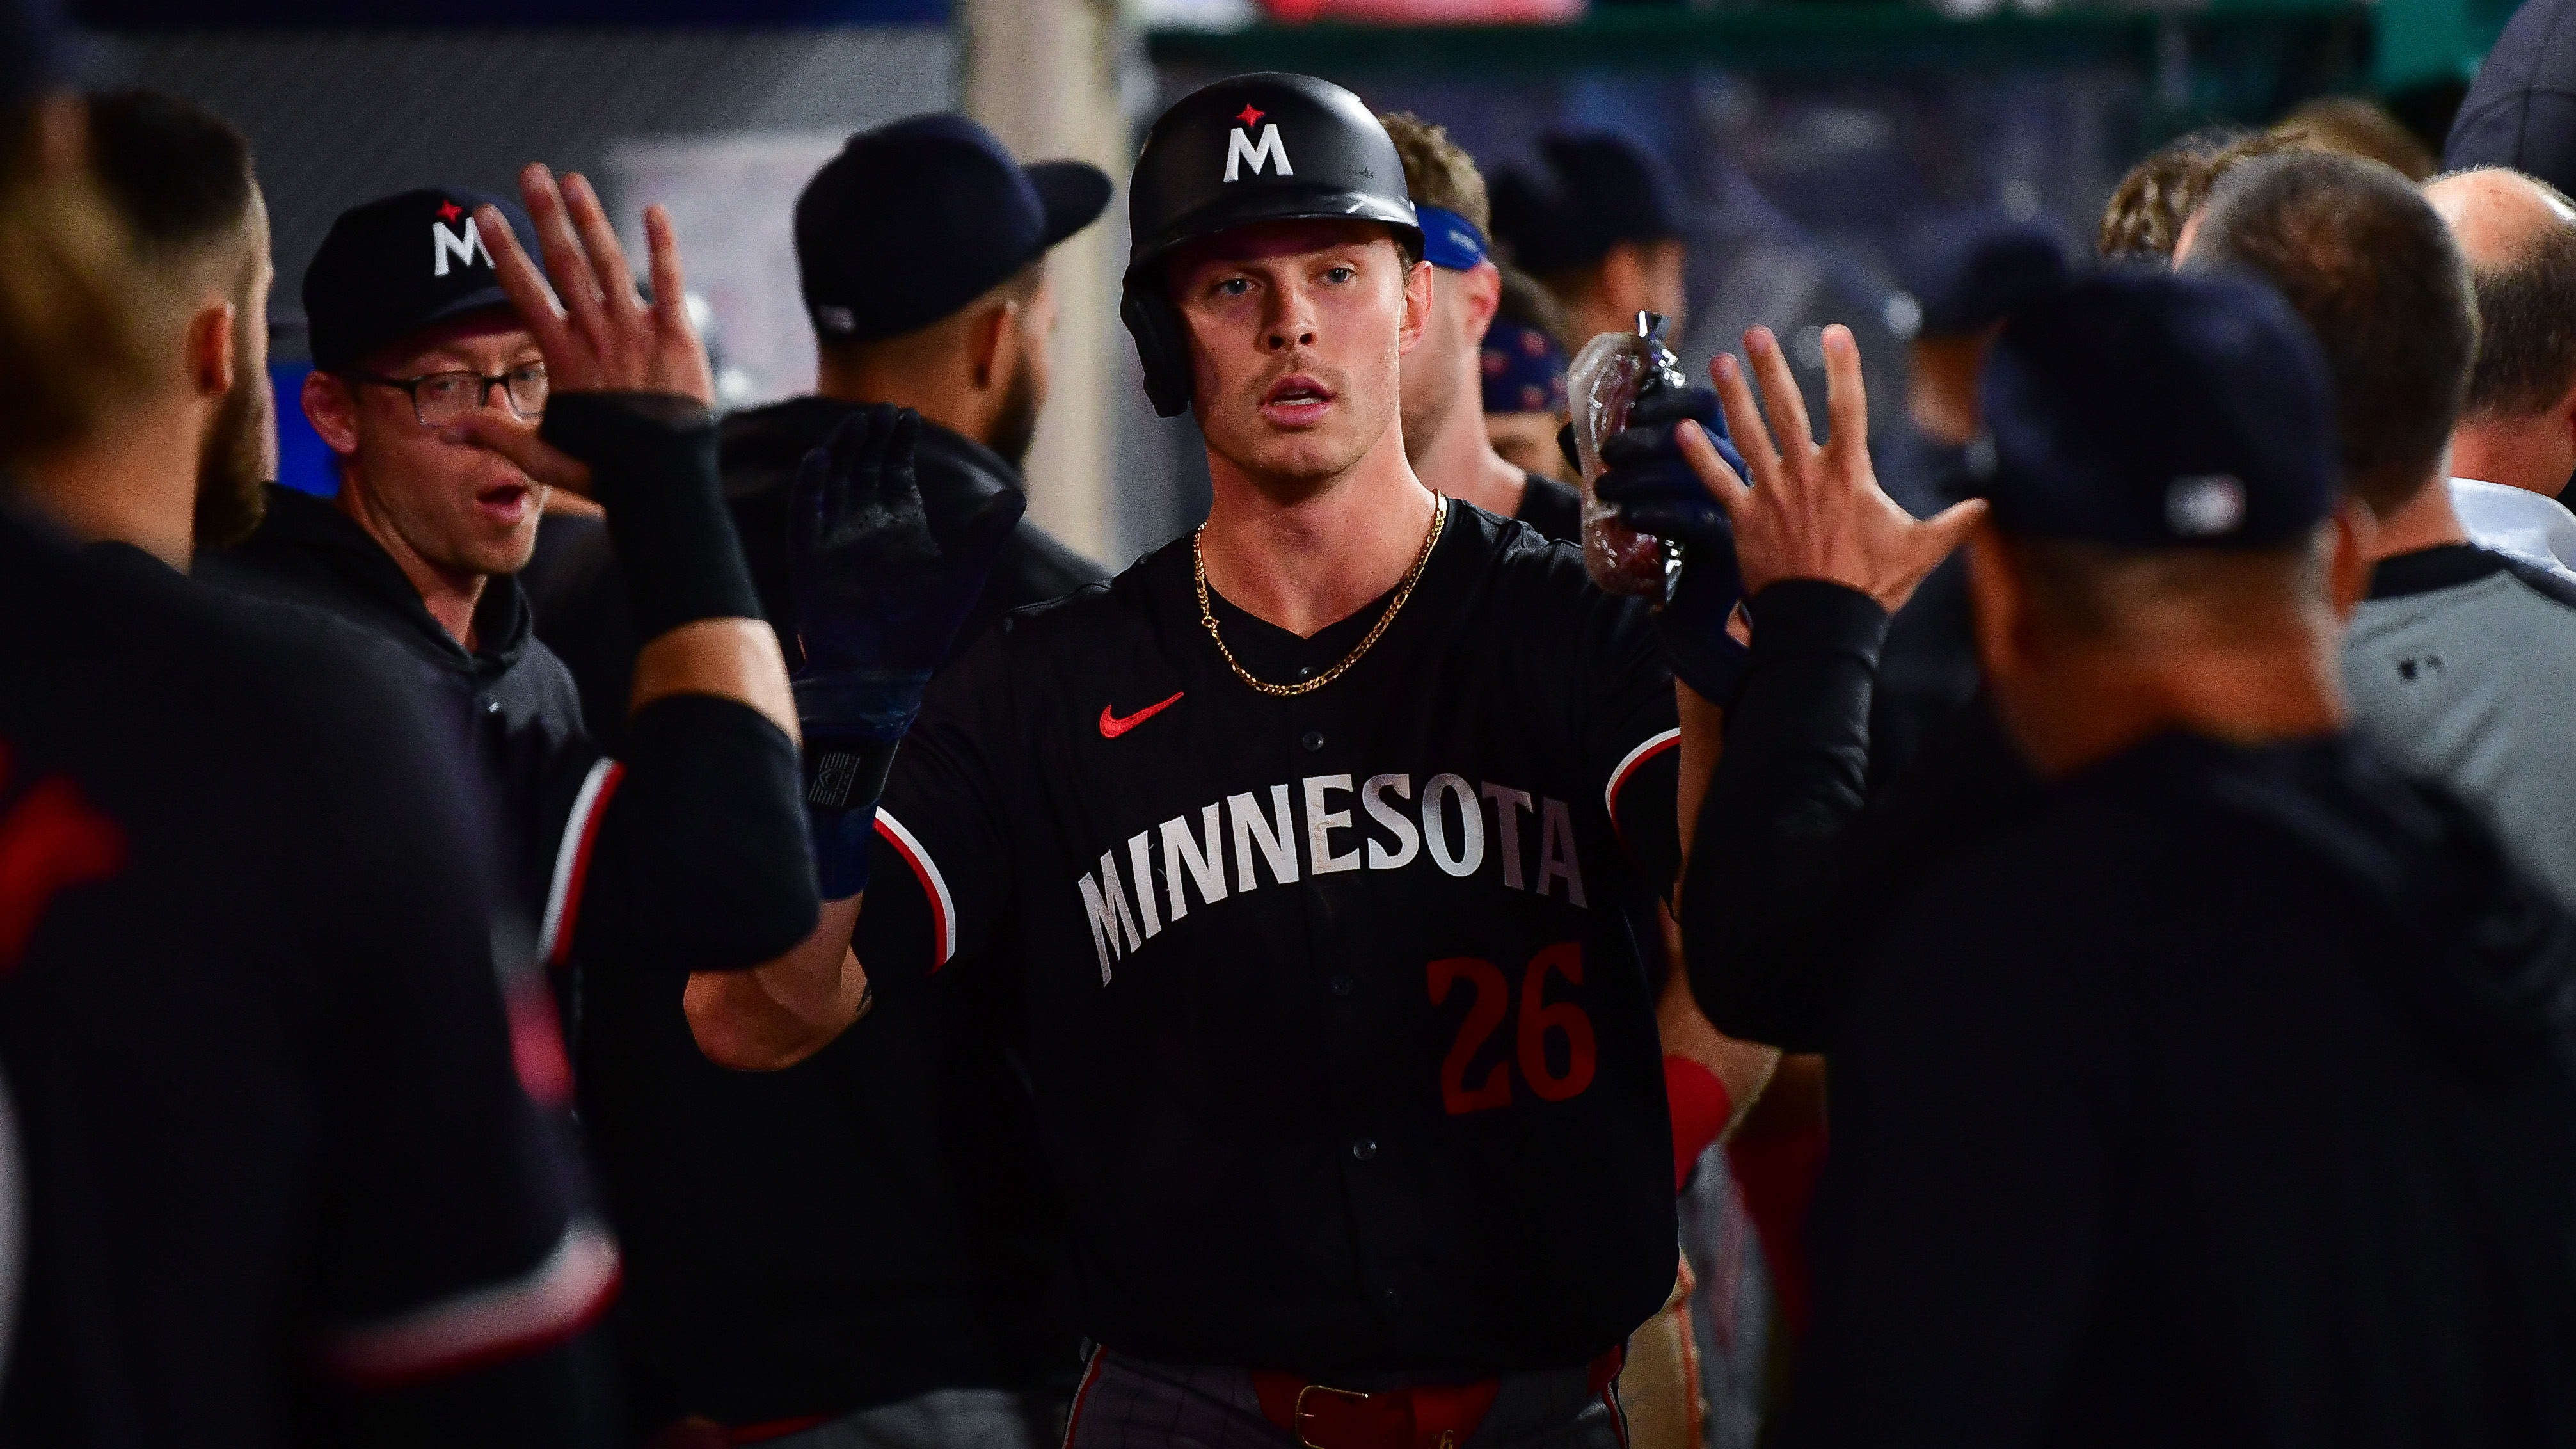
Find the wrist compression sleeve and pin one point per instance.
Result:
(652, 460)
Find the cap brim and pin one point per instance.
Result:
(485, 299)
(1073, 194)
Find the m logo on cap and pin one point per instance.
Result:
(2204, 506)
(1240, 147)
(464, 246)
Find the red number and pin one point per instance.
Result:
(1493, 999)
(1538, 1018)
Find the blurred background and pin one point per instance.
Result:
(1807, 136)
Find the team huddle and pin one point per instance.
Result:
(779, 950)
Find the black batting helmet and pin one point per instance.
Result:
(1265, 147)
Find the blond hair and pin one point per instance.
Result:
(1437, 172)
(75, 311)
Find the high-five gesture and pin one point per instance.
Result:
(1815, 511)
(597, 332)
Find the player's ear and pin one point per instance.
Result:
(1482, 291)
(210, 350)
(1417, 307)
(993, 344)
(331, 406)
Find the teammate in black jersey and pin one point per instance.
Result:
(280, 1182)
(1313, 833)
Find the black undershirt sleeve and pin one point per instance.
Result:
(1790, 779)
(701, 861)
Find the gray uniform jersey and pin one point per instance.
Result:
(2462, 667)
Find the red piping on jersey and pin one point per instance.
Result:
(943, 927)
(559, 950)
(1081, 1393)
(1654, 745)
(563, 1296)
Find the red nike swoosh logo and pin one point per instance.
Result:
(1111, 726)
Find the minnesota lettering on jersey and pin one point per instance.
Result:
(1235, 846)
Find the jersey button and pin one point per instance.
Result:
(1312, 740)
(1344, 986)
(1365, 1149)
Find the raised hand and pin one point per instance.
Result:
(1814, 511)
(601, 336)
(881, 588)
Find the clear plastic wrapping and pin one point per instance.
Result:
(1612, 372)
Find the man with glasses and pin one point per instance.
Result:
(429, 385)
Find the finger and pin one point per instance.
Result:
(1846, 395)
(1944, 531)
(1720, 480)
(1791, 433)
(1744, 421)
(575, 283)
(670, 293)
(520, 446)
(599, 242)
(527, 288)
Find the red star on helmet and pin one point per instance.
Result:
(450, 211)
(1251, 115)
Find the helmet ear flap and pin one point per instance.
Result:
(1162, 345)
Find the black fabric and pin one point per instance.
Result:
(509, 697)
(701, 862)
(575, 581)
(1790, 879)
(2231, 1099)
(906, 1233)
(2521, 108)
(255, 1042)
(1928, 668)
(2428, 570)
(1554, 509)
(1304, 1065)
(653, 467)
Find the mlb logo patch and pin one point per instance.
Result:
(2204, 506)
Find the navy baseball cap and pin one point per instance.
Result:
(917, 218)
(401, 265)
(1592, 191)
(2145, 410)
(1968, 271)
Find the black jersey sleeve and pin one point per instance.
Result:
(448, 1236)
(688, 852)
(940, 878)
(1630, 734)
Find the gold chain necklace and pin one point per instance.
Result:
(1394, 606)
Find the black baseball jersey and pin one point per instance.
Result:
(272, 1143)
(1340, 1041)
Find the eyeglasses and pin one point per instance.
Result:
(440, 398)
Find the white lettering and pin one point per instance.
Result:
(1140, 858)
(1409, 844)
(1321, 823)
(1508, 805)
(1278, 843)
(463, 247)
(1240, 147)
(1435, 825)
(1108, 911)
(1556, 853)
(1206, 866)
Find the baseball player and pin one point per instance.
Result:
(1312, 832)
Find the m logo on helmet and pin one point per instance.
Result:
(462, 246)
(1269, 150)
